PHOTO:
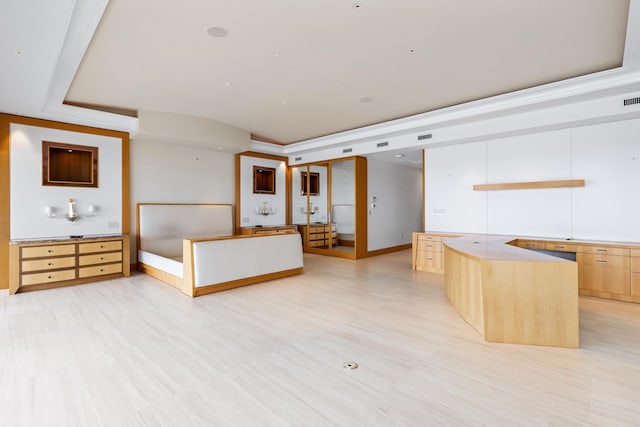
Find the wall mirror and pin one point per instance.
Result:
(69, 165)
(264, 180)
(327, 215)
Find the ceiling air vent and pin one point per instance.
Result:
(347, 150)
(382, 144)
(426, 136)
(632, 101)
(297, 159)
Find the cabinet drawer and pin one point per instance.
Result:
(433, 259)
(430, 247)
(635, 264)
(562, 247)
(429, 238)
(100, 258)
(605, 273)
(85, 248)
(47, 251)
(603, 250)
(528, 244)
(317, 229)
(52, 276)
(49, 264)
(316, 243)
(99, 270)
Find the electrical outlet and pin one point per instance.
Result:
(113, 224)
(245, 219)
(401, 236)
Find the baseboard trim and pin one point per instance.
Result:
(388, 250)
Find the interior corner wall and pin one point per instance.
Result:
(29, 197)
(606, 156)
(249, 201)
(171, 173)
(398, 206)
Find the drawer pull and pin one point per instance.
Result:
(530, 245)
(49, 264)
(101, 270)
(49, 251)
(601, 250)
(49, 277)
(560, 247)
(101, 246)
(101, 258)
(430, 259)
(601, 261)
(429, 238)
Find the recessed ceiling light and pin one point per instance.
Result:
(284, 102)
(356, 5)
(398, 156)
(412, 51)
(217, 31)
(227, 84)
(366, 99)
(276, 54)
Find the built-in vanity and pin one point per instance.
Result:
(42, 264)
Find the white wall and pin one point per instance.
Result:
(606, 156)
(29, 197)
(398, 209)
(169, 173)
(182, 159)
(249, 201)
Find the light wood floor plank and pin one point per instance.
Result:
(136, 352)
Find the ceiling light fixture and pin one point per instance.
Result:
(356, 5)
(217, 32)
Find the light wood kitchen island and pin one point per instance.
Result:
(512, 295)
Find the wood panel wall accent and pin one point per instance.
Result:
(362, 205)
(529, 185)
(5, 199)
(238, 186)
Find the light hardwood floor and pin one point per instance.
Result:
(137, 352)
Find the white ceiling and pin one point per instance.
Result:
(291, 70)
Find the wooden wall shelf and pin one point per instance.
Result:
(529, 185)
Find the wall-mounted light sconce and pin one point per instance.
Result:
(312, 209)
(265, 209)
(72, 213)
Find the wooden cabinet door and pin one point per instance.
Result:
(604, 273)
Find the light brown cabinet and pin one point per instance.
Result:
(428, 252)
(604, 273)
(40, 265)
(605, 270)
(318, 235)
(269, 229)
